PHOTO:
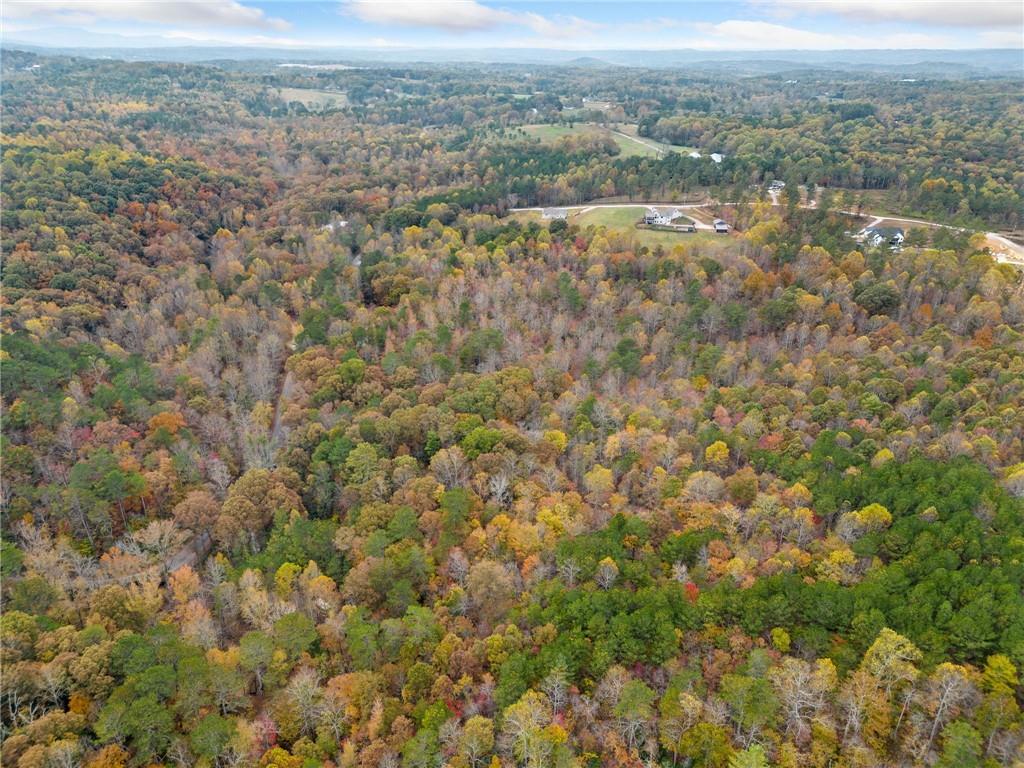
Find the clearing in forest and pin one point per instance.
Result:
(314, 99)
(630, 145)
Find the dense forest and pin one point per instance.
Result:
(314, 454)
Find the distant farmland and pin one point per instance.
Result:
(629, 146)
(313, 99)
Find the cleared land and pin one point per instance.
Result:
(877, 203)
(669, 240)
(630, 129)
(907, 224)
(624, 219)
(1005, 249)
(548, 132)
(618, 218)
(624, 135)
(314, 99)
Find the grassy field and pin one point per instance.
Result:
(669, 240)
(628, 147)
(555, 132)
(631, 130)
(626, 216)
(624, 220)
(904, 225)
(590, 106)
(617, 218)
(313, 99)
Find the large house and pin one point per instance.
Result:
(876, 236)
(660, 218)
(555, 213)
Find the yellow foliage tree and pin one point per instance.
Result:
(716, 454)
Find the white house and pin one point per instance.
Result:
(660, 218)
(876, 236)
(721, 227)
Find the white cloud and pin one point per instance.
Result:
(954, 13)
(764, 36)
(559, 26)
(451, 15)
(193, 13)
(462, 16)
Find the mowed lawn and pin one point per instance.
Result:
(669, 240)
(631, 130)
(627, 146)
(618, 217)
(613, 218)
(624, 219)
(555, 132)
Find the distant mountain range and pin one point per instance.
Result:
(967, 63)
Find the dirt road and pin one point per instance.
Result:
(638, 140)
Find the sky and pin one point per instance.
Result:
(476, 24)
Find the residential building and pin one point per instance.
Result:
(876, 236)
